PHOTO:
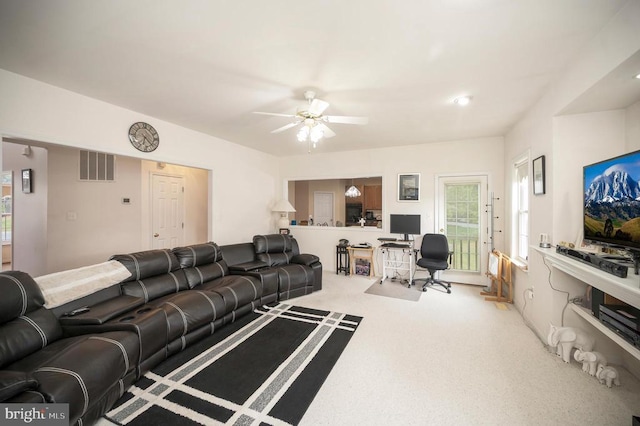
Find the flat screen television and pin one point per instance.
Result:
(406, 224)
(612, 201)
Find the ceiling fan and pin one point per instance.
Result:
(313, 120)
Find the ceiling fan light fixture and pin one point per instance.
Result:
(316, 134)
(462, 100)
(311, 120)
(303, 134)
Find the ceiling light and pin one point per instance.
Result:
(303, 133)
(462, 100)
(316, 134)
(310, 132)
(638, 76)
(352, 192)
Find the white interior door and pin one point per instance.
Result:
(323, 208)
(167, 211)
(462, 218)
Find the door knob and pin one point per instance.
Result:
(156, 235)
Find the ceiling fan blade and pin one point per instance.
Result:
(277, 114)
(345, 119)
(326, 131)
(317, 107)
(285, 127)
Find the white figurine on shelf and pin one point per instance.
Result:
(590, 360)
(608, 375)
(362, 222)
(566, 338)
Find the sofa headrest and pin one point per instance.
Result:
(198, 254)
(273, 243)
(148, 263)
(20, 295)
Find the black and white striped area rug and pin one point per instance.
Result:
(264, 369)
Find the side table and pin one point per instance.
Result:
(364, 253)
(342, 259)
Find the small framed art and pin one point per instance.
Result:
(409, 187)
(26, 180)
(284, 231)
(538, 176)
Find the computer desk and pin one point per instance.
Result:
(389, 264)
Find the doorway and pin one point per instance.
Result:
(167, 212)
(323, 208)
(6, 207)
(461, 206)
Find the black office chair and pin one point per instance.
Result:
(434, 256)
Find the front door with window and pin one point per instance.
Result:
(461, 217)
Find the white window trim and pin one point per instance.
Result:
(515, 208)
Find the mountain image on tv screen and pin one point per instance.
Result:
(612, 201)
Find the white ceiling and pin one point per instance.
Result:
(207, 65)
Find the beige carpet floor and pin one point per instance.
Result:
(453, 359)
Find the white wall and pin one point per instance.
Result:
(29, 210)
(632, 122)
(481, 156)
(87, 221)
(584, 139)
(570, 142)
(579, 140)
(244, 182)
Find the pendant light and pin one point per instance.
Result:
(352, 192)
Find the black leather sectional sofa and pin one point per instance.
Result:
(172, 299)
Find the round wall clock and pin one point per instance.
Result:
(143, 137)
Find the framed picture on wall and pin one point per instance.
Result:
(538, 175)
(409, 187)
(26, 180)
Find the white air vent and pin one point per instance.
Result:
(97, 166)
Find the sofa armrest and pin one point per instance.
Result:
(13, 383)
(102, 312)
(267, 276)
(248, 266)
(305, 259)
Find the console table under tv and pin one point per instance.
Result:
(625, 289)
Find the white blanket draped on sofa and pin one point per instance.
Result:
(62, 287)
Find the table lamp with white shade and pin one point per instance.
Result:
(283, 207)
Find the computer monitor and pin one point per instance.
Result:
(406, 224)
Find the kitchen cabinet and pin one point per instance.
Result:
(373, 197)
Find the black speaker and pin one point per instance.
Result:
(597, 299)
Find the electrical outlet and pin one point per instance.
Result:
(530, 292)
